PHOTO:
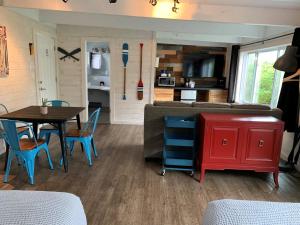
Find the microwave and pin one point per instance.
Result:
(166, 81)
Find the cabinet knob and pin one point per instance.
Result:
(261, 143)
(224, 142)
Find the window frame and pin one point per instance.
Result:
(243, 66)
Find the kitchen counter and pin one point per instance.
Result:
(101, 88)
(195, 88)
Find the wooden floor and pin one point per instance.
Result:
(121, 188)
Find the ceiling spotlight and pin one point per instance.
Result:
(175, 8)
(153, 2)
(65, 1)
(112, 1)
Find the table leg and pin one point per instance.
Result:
(79, 128)
(6, 154)
(62, 144)
(35, 129)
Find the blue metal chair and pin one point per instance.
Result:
(23, 149)
(84, 136)
(21, 130)
(46, 131)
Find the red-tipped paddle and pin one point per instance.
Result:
(140, 87)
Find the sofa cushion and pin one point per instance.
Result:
(210, 105)
(250, 106)
(171, 104)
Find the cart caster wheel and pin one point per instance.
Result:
(192, 174)
(163, 172)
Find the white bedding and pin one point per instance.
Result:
(238, 212)
(40, 208)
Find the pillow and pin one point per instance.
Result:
(250, 106)
(171, 104)
(210, 105)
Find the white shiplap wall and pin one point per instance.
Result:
(130, 111)
(18, 90)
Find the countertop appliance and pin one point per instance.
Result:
(166, 81)
(188, 96)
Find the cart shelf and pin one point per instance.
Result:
(179, 144)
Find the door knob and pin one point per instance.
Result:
(261, 143)
(224, 142)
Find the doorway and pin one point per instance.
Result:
(97, 57)
(46, 67)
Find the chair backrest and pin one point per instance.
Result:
(91, 124)
(57, 103)
(3, 109)
(11, 133)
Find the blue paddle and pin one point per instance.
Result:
(125, 61)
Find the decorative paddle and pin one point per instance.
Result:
(140, 87)
(125, 61)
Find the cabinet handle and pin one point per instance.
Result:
(224, 142)
(261, 143)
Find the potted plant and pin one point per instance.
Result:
(44, 107)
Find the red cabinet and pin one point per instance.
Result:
(243, 142)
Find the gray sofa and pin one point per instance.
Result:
(154, 115)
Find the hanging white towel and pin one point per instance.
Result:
(96, 61)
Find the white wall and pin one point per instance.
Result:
(130, 111)
(18, 89)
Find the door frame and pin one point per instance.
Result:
(37, 75)
(84, 83)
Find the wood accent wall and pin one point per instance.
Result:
(171, 59)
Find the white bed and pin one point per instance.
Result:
(40, 208)
(239, 212)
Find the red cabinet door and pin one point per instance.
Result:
(260, 146)
(223, 144)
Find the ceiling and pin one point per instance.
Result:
(295, 4)
(222, 22)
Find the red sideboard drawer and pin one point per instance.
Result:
(260, 146)
(223, 144)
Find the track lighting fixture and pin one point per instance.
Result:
(110, 1)
(174, 8)
(152, 2)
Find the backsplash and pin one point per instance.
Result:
(95, 80)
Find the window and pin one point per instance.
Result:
(259, 82)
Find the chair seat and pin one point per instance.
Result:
(29, 144)
(77, 133)
(22, 129)
(48, 127)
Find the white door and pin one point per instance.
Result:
(47, 87)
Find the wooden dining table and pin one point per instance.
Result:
(56, 116)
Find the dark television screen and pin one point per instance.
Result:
(203, 65)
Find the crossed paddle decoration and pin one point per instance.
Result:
(69, 54)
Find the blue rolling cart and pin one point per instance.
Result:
(179, 150)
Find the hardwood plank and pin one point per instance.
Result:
(121, 188)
